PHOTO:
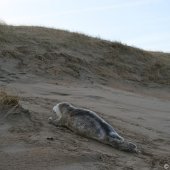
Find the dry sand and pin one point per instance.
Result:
(127, 86)
(27, 141)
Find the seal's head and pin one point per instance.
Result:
(56, 109)
(60, 109)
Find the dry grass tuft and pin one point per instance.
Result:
(8, 100)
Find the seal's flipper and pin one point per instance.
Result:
(128, 147)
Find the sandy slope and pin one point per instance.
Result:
(143, 119)
(45, 66)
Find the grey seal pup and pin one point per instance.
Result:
(88, 124)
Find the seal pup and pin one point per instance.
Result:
(88, 124)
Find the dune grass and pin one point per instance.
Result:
(61, 54)
(8, 100)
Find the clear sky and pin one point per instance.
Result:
(141, 23)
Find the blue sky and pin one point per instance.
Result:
(141, 23)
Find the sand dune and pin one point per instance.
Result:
(126, 86)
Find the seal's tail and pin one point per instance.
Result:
(128, 147)
(119, 143)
